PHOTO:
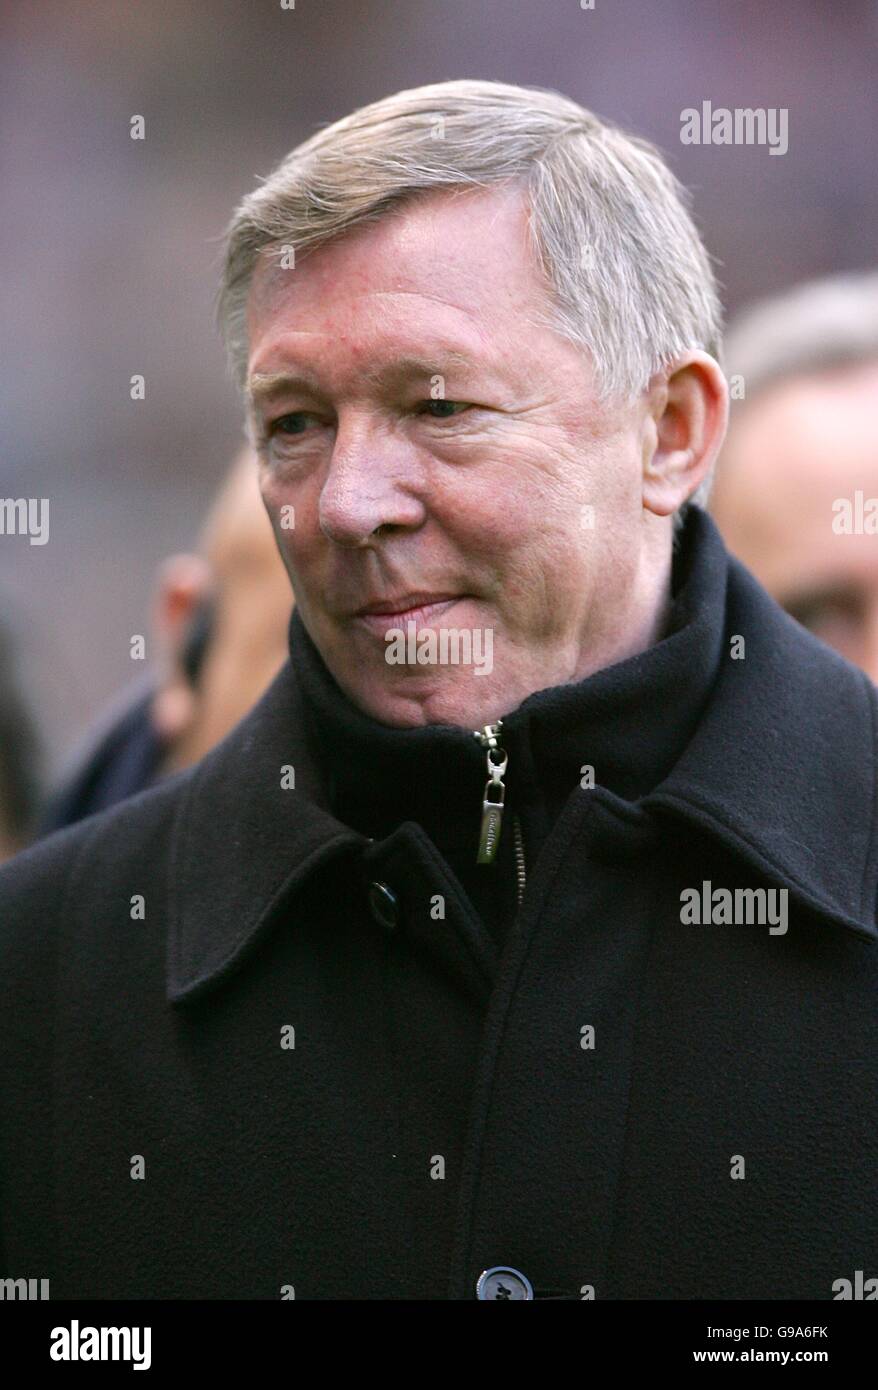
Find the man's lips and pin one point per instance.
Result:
(420, 609)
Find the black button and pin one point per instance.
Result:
(501, 1282)
(383, 905)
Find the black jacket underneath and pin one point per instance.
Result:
(445, 1107)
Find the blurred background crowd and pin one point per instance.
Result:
(111, 254)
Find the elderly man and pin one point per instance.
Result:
(521, 943)
(797, 493)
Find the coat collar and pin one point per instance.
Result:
(784, 750)
(781, 768)
(435, 774)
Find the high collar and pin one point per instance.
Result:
(783, 748)
(629, 722)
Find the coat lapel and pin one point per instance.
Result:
(243, 841)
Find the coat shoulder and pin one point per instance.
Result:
(37, 885)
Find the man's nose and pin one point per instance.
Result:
(374, 480)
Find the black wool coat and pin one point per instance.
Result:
(241, 1059)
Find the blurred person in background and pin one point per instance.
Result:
(802, 443)
(19, 756)
(219, 622)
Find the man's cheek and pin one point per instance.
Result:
(272, 494)
(292, 515)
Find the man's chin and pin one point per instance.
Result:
(409, 698)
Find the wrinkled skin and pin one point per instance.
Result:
(482, 493)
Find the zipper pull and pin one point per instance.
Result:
(495, 792)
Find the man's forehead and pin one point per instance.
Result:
(465, 251)
(808, 434)
(384, 336)
(437, 288)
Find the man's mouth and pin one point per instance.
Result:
(421, 609)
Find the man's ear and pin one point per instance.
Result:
(182, 584)
(689, 409)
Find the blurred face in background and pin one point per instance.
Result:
(791, 453)
(241, 578)
(440, 452)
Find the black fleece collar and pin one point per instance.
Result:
(629, 723)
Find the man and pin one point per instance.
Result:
(220, 619)
(521, 942)
(801, 449)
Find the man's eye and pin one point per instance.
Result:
(442, 409)
(293, 423)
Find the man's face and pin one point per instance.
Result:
(414, 393)
(795, 450)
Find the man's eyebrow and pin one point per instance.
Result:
(264, 387)
(415, 365)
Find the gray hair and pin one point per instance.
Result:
(811, 328)
(627, 275)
